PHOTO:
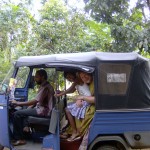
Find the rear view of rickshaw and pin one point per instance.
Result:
(122, 98)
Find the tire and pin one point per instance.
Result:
(107, 147)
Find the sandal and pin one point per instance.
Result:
(71, 139)
(19, 142)
(74, 137)
(64, 135)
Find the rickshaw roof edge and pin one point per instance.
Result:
(83, 57)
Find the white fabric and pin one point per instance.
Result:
(76, 111)
(83, 90)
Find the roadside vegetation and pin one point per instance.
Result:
(103, 25)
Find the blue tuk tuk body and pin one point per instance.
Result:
(122, 98)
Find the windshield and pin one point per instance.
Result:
(5, 82)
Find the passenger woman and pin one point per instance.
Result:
(77, 109)
(87, 78)
(85, 125)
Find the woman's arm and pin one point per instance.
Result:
(89, 99)
(71, 89)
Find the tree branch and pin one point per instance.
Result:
(148, 4)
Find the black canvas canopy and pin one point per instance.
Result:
(137, 93)
(139, 88)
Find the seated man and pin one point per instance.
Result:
(43, 103)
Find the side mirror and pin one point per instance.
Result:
(31, 83)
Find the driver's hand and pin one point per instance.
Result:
(14, 102)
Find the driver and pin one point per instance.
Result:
(43, 103)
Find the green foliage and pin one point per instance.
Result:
(145, 54)
(62, 31)
(98, 37)
(130, 27)
(108, 11)
(58, 28)
(5, 69)
(14, 25)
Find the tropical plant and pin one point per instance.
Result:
(130, 27)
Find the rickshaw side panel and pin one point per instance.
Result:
(133, 126)
(4, 129)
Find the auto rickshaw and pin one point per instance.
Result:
(122, 99)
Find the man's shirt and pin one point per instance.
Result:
(45, 99)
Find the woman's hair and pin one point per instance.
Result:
(79, 72)
(73, 73)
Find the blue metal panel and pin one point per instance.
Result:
(53, 140)
(21, 94)
(114, 123)
(4, 130)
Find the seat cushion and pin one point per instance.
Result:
(39, 120)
